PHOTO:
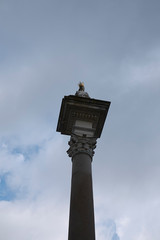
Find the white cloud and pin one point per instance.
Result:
(40, 209)
(43, 173)
(122, 225)
(36, 220)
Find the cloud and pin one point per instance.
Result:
(112, 46)
(32, 173)
(36, 220)
(106, 229)
(39, 208)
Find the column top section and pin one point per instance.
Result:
(81, 145)
(82, 116)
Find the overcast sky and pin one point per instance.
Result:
(46, 48)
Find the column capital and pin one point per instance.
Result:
(80, 144)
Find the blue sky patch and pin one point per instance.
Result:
(6, 194)
(27, 151)
(115, 237)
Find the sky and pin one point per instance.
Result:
(46, 49)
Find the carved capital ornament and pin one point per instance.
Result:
(82, 144)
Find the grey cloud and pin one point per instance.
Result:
(113, 46)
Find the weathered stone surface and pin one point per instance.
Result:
(80, 144)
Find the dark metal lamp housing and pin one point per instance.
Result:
(81, 115)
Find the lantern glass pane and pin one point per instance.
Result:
(83, 124)
(82, 128)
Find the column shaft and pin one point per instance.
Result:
(81, 222)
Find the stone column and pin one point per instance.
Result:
(81, 221)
